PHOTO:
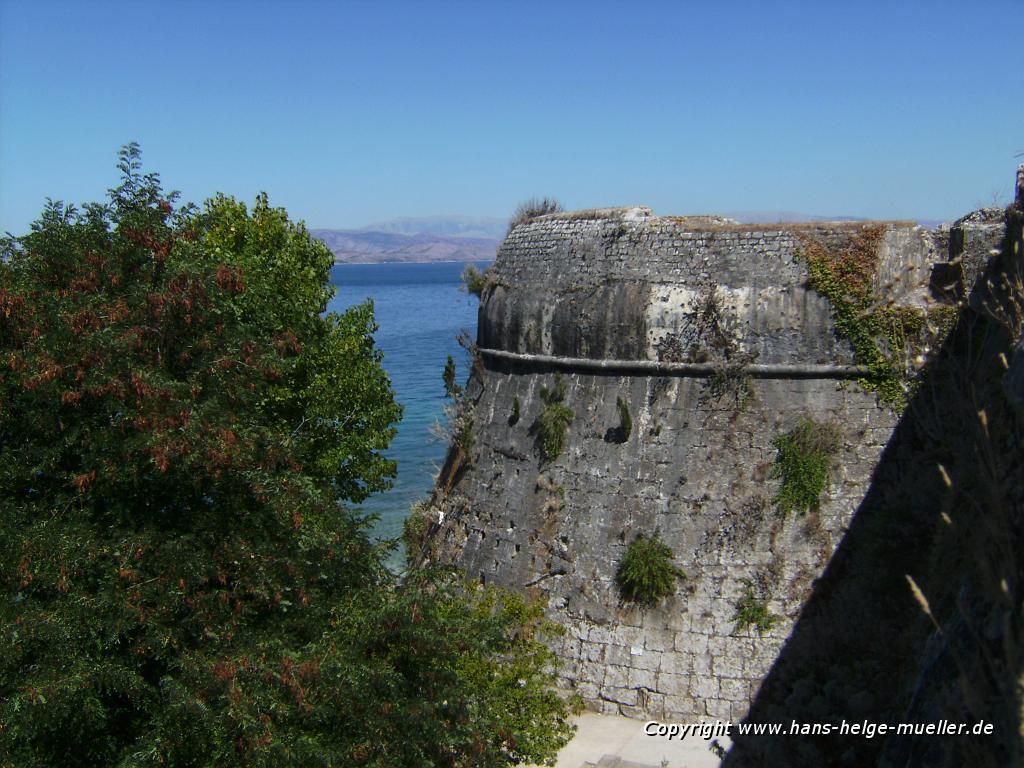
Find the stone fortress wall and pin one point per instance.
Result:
(610, 303)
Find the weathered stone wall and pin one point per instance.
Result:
(696, 467)
(971, 669)
(696, 471)
(612, 287)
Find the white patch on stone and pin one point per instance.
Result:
(637, 213)
(670, 306)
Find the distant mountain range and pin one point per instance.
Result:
(771, 217)
(466, 238)
(479, 227)
(354, 246)
(410, 239)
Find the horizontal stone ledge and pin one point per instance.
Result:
(694, 370)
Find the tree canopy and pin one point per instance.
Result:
(181, 425)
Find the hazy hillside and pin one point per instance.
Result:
(483, 227)
(770, 217)
(417, 239)
(372, 247)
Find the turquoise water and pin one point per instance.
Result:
(420, 311)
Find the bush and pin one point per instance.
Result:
(532, 209)
(474, 281)
(552, 421)
(181, 424)
(647, 572)
(804, 464)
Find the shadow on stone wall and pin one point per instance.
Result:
(944, 507)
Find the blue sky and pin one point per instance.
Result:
(351, 112)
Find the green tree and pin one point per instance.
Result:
(180, 426)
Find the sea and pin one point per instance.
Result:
(420, 312)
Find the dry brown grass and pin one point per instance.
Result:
(788, 226)
(533, 209)
(706, 223)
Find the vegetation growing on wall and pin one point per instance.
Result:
(457, 428)
(451, 387)
(804, 464)
(476, 282)
(732, 381)
(416, 530)
(553, 421)
(533, 208)
(647, 572)
(465, 437)
(513, 418)
(944, 507)
(709, 335)
(620, 433)
(706, 332)
(625, 419)
(751, 611)
(885, 339)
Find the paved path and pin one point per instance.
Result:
(604, 737)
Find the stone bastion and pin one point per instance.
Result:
(684, 348)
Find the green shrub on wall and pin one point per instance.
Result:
(804, 463)
(451, 387)
(476, 282)
(647, 572)
(552, 421)
(751, 611)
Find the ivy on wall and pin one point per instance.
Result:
(886, 339)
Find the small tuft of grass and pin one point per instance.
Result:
(621, 433)
(751, 611)
(513, 418)
(451, 387)
(625, 419)
(533, 208)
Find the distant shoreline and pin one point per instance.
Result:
(428, 261)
